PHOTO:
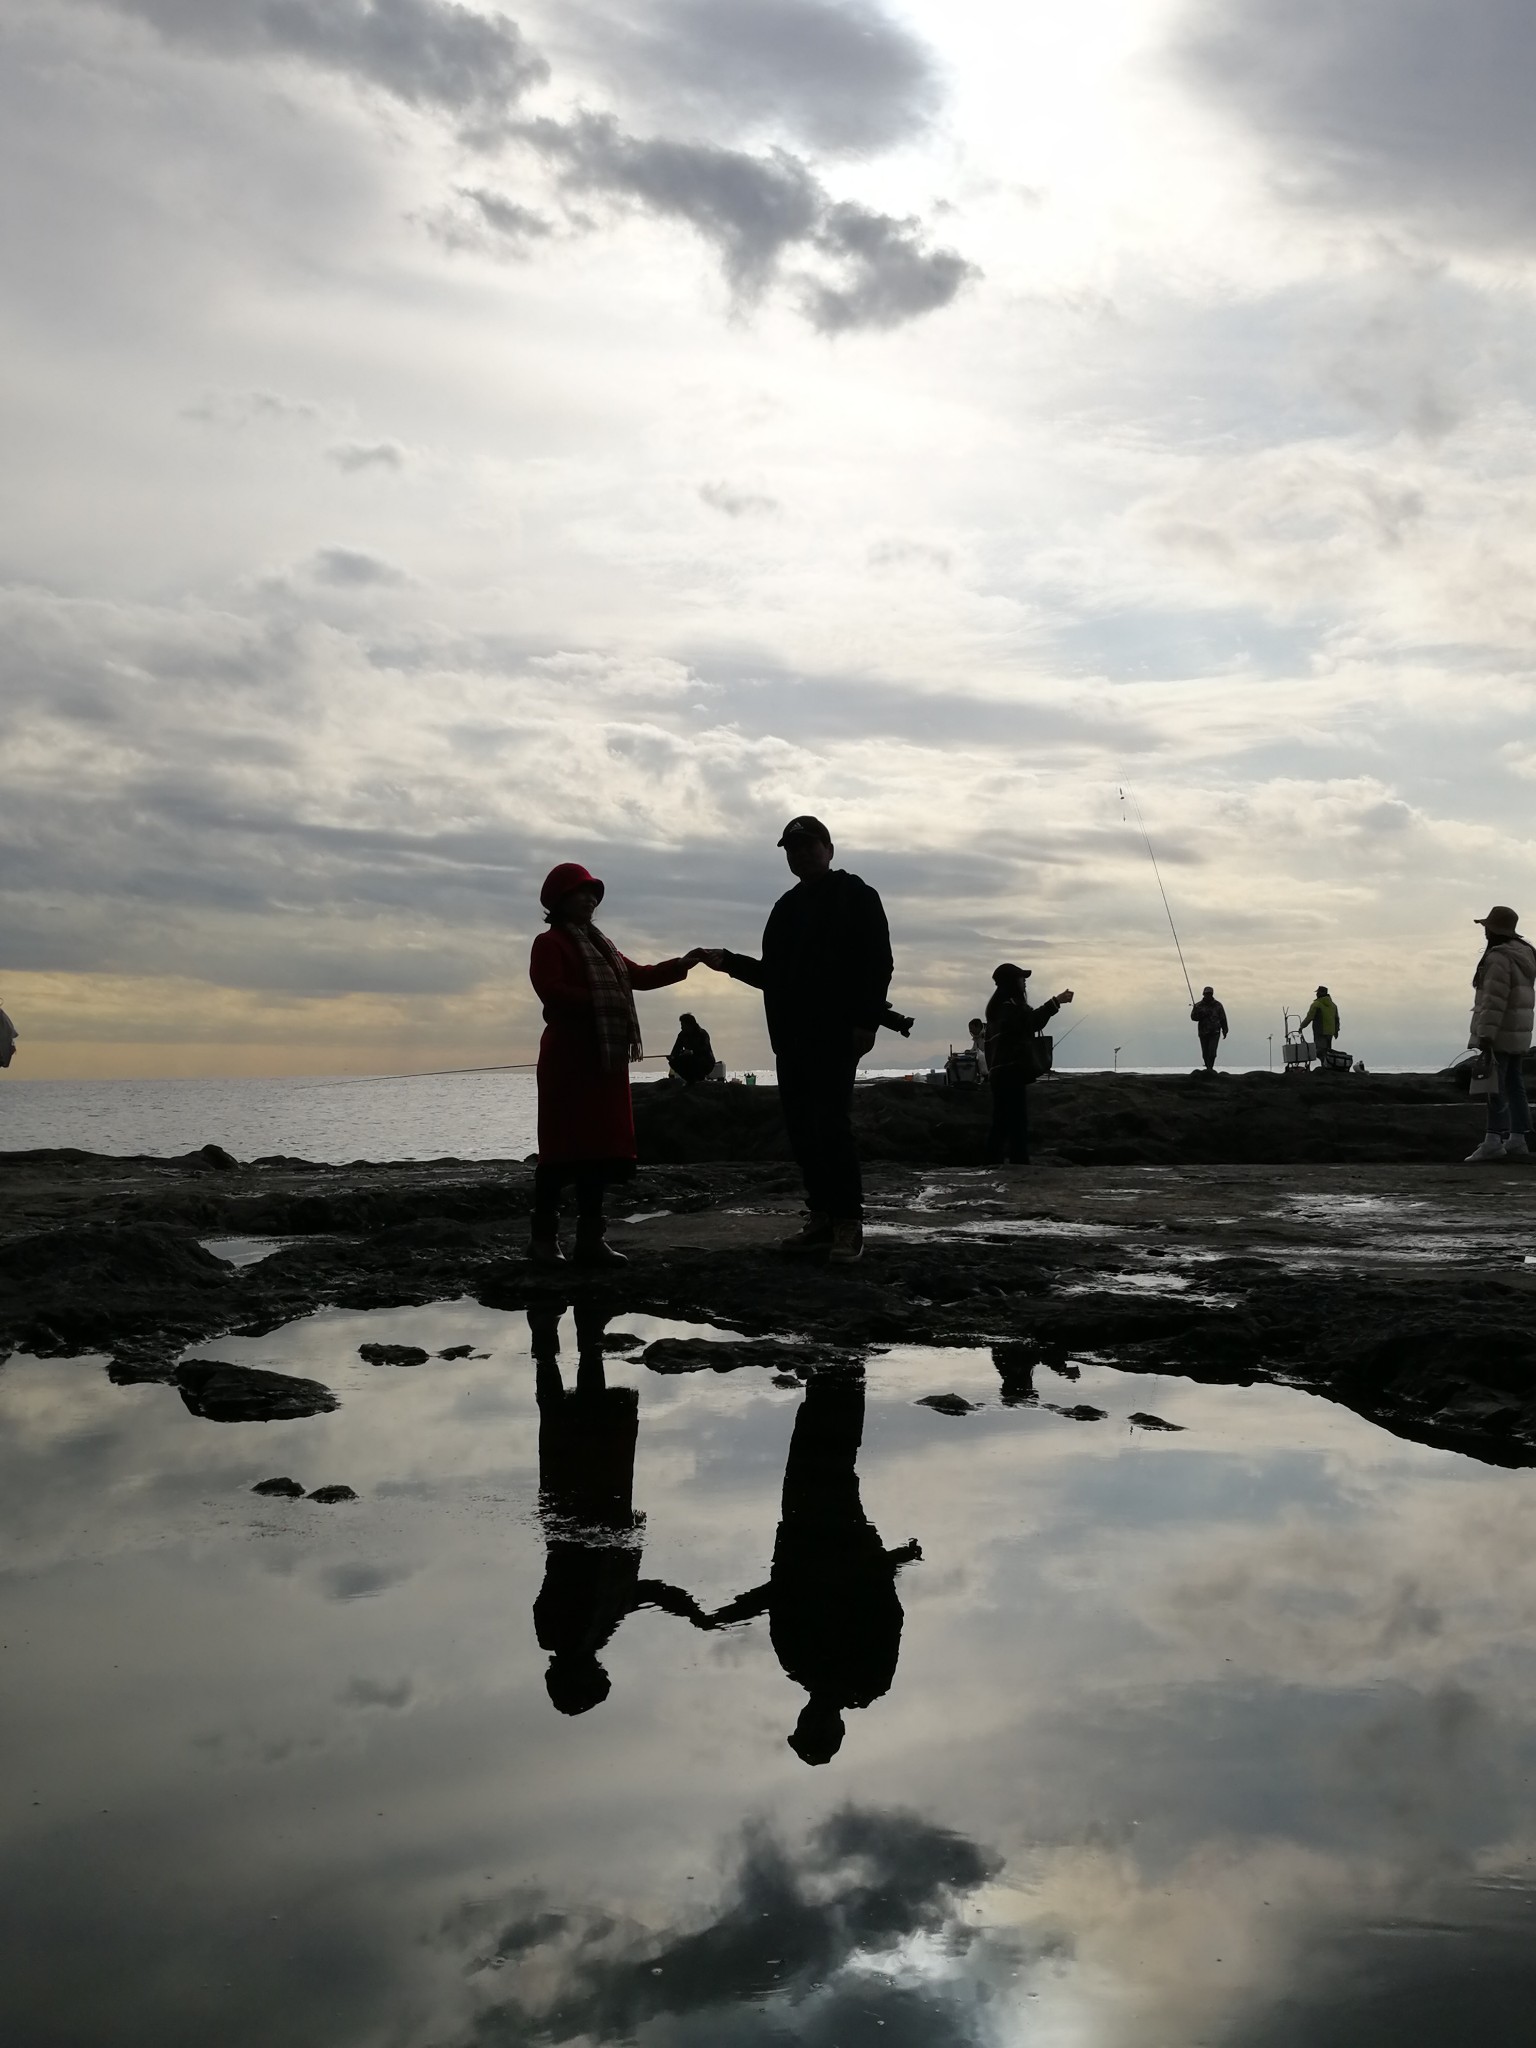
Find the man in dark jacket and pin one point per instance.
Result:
(1210, 1020)
(824, 972)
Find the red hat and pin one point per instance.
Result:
(562, 880)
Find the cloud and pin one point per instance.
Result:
(735, 503)
(494, 222)
(430, 54)
(756, 211)
(788, 1950)
(1410, 108)
(838, 75)
(348, 569)
(352, 456)
(246, 408)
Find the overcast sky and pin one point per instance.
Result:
(441, 441)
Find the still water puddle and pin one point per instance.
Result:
(682, 1708)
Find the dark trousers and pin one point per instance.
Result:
(1509, 1111)
(1008, 1139)
(816, 1096)
(1323, 1040)
(1209, 1041)
(590, 1180)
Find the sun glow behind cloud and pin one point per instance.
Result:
(934, 421)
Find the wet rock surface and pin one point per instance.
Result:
(1398, 1288)
(245, 1393)
(280, 1489)
(396, 1354)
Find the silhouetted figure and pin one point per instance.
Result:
(9, 1036)
(1016, 1364)
(692, 1057)
(592, 1534)
(1324, 1019)
(833, 1613)
(1210, 1020)
(1014, 1059)
(825, 972)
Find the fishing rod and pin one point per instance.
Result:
(1146, 838)
(441, 1073)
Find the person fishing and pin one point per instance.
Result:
(1503, 1011)
(591, 1033)
(692, 1058)
(1015, 1059)
(825, 972)
(1324, 1019)
(1210, 1020)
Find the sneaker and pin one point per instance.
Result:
(814, 1234)
(1517, 1147)
(847, 1242)
(1492, 1147)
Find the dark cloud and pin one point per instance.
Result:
(780, 1958)
(355, 455)
(736, 503)
(756, 211)
(372, 1692)
(489, 220)
(431, 54)
(1409, 107)
(348, 569)
(836, 74)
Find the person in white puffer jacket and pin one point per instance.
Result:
(1503, 1011)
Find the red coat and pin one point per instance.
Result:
(584, 1113)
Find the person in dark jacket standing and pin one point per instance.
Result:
(1013, 1060)
(825, 972)
(1210, 1020)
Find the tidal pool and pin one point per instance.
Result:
(754, 1707)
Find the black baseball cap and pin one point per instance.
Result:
(1008, 971)
(805, 827)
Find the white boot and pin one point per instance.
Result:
(1492, 1147)
(1517, 1147)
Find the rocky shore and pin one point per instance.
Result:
(1368, 1265)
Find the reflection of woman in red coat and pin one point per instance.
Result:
(591, 1033)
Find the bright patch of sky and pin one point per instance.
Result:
(441, 441)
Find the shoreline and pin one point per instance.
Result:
(1396, 1285)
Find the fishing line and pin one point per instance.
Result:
(440, 1073)
(1136, 807)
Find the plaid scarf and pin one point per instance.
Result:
(613, 1006)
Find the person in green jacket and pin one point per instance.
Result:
(1324, 1019)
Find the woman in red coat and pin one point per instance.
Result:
(591, 1034)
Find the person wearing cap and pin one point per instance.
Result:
(1503, 1010)
(1210, 1020)
(825, 971)
(1324, 1019)
(591, 1034)
(1013, 1062)
(692, 1058)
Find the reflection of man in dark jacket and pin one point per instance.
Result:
(587, 1439)
(824, 973)
(833, 1613)
(1210, 1020)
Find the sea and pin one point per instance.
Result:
(327, 1118)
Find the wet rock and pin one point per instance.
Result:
(285, 1489)
(397, 1354)
(1083, 1412)
(244, 1393)
(948, 1404)
(621, 1340)
(704, 1354)
(328, 1494)
(786, 1379)
(1144, 1421)
(85, 1285)
(458, 1351)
